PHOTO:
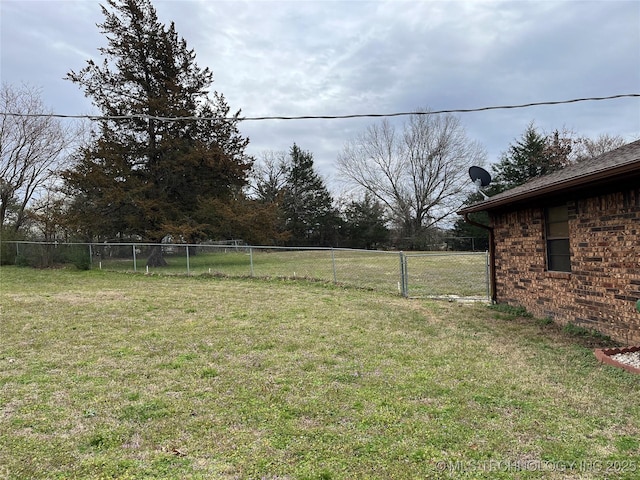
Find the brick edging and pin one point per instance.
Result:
(604, 356)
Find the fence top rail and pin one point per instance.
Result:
(239, 246)
(29, 242)
(200, 245)
(443, 254)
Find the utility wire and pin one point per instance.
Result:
(317, 117)
(437, 112)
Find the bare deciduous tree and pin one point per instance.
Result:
(31, 149)
(269, 176)
(585, 148)
(419, 173)
(47, 215)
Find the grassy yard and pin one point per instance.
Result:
(429, 273)
(114, 375)
(379, 270)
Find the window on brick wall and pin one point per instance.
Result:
(557, 230)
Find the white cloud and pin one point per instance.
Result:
(345, 57)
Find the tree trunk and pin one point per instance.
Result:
(155, 257)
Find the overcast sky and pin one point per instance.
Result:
(294, 58)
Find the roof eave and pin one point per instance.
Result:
(595, 178)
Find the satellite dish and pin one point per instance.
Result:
(480, 178)
(480, 174)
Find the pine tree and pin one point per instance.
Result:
(144, 176)
(365, 223)
(531, 156)
(308, 207)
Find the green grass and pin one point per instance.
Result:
(447, 273)
(428, 275)
(112, 375)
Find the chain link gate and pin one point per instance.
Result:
(450, 275)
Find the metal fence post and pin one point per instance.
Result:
(487, 274)
(333, 261)
(188, 266)
(251, 259)
(90, 257)
(406, 275)
(135, 266)
(401, 282)
(404, 280)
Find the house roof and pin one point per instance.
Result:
(609, 168)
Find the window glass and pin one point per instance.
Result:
(558, 246)
(558, 229)
(558, 214)
(560, 263)
(557, 236)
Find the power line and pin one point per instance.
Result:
(437, 112)
(318, 117)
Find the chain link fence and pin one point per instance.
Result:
(411, 274)
(447, 275)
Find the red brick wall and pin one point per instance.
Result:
(604, 284)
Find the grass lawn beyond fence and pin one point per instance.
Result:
(115, 375)
(426, 274)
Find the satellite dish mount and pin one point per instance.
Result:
(481, 178)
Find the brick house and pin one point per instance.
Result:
(567, 245)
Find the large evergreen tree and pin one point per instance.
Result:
(145, 174)
(307, 204)
(532, 156)
(365, 223)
